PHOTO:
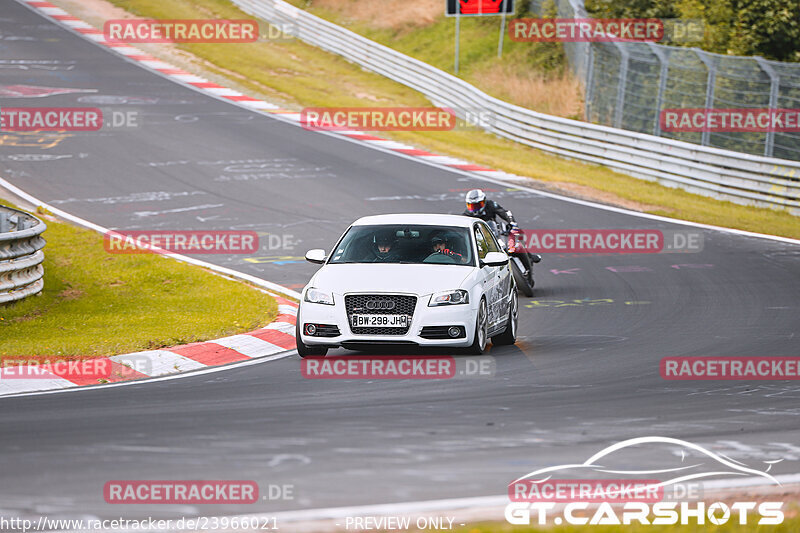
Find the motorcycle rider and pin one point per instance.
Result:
(478, 206)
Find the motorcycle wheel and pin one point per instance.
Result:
(524, 284)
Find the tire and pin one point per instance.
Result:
(481, 331)
(304, 350)
(509, 336)
(524, 284)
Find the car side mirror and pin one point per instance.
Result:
(494, 259)
(315, 256)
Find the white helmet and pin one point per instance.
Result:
(475, 199)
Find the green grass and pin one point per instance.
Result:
(300, 75)
(435, 44)
(96, 303)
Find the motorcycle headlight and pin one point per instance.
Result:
(316, 296)
(456, 297)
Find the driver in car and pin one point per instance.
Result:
(383, 248)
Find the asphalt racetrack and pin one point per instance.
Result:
(584, 374)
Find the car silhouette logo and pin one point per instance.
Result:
(695, 463)
(375, 305)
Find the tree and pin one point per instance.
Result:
(769, 28)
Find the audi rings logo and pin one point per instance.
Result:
(374, 305)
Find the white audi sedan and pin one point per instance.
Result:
(414, 279)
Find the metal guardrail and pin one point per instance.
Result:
(21, 256)
(723, 174)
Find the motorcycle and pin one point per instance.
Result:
(510, 238)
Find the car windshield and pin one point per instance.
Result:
(444, 245)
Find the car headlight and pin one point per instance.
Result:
(316, 296)
(459, 296)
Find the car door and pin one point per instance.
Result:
(486, 244)
(501, 287)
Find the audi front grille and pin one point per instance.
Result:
(379, 304)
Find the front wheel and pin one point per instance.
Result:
(524, 283)
(481, 331)
(509, 336)
(303, 350)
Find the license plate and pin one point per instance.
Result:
(380, 321)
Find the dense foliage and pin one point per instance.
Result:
(769, 28)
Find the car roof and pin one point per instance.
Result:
(419, 219)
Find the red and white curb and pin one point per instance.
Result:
(274, 338)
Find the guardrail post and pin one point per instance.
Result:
(623, 81)
(5, 226)
(710, 86)
(663, 59)
(774, 87)
(589, 94)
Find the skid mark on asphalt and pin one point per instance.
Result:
(149, 196)
(142, 214)
(585, 302)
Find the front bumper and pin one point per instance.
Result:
(463, 316)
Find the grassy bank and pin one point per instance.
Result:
(533, 75)
(96, 303)
(299, 75)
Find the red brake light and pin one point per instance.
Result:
(511, 243)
